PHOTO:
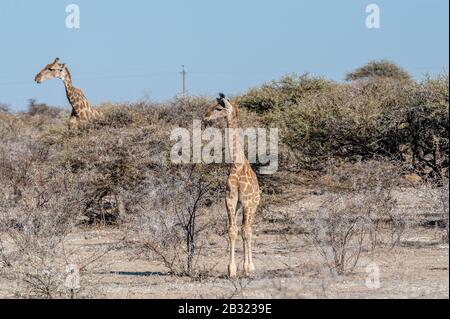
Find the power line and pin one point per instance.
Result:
(199, 73)
(104, 77)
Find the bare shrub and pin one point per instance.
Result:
(360, 207)
(375, 180)
(338, 233)
(39, 206)
(176, 221)
(116, 116)
(436, 200)
(346, 227)
(4, 108)
(35, 221)
(35, 109)
(443, 209)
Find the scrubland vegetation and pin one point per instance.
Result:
(363, 171)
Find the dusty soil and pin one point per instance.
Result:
(287, 267)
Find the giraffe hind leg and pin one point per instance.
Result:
(231, 202)
(247, 234)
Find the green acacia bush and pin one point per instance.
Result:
(386, 114)
(283, 93)
(379, 69)
(422, 130)
(346, 121)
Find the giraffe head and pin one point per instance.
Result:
(53, 70)
(221, 109)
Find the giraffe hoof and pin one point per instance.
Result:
(249, 269)
(232, 271)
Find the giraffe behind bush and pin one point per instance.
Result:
(81, 108)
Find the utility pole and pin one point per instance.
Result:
(183, 74)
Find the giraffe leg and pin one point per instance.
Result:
(251, 265)
(247, 233)
(231, 202)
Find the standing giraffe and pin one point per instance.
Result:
(242, 187)
(81, 108)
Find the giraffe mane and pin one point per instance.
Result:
(69, 75)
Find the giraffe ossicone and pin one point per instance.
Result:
(82, 110)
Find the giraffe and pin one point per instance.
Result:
(81, 108)
(82, 112)
(242, 187)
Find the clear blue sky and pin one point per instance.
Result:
(127, 50)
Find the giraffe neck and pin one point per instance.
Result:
(76, 104)
(67, 79)
(234, 145)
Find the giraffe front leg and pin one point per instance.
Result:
(231, 201)
(247, 234)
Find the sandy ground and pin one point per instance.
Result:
(416, 269)
(287, 267)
